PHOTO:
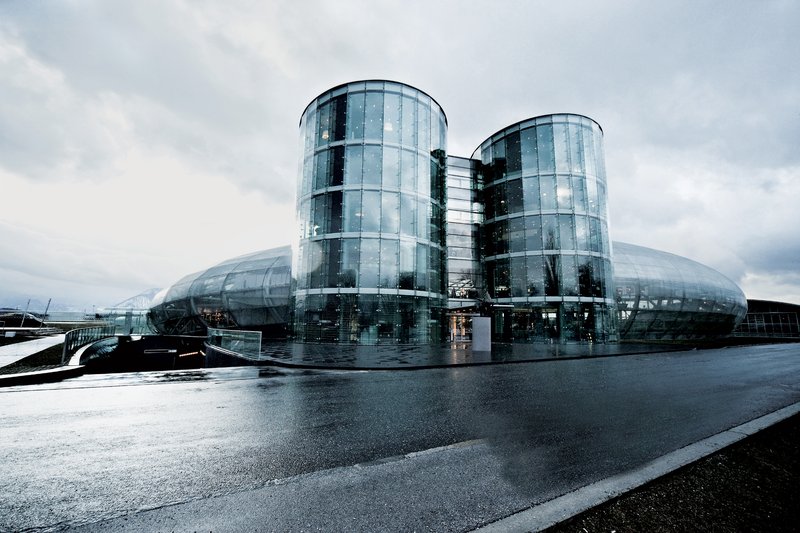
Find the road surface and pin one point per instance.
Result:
(439, 449)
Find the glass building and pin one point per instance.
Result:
(465, 286)
(662, 296)
(399, 242)
(546, 249)
(247, 292)
(370, 264)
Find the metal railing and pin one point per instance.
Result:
(245, 343)
(76, 338)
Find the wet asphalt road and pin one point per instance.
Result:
(266, 449)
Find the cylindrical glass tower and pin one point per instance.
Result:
(370, 265)
(546, 250)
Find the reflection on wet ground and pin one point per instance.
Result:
(413, 356)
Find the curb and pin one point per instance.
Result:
(566, 506)
(42, 376)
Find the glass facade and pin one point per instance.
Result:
(545, 244)
(370, 264)
(250, 291)
(661, 296)
(399, 243)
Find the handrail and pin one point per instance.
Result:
(245, 343)
(76, 338)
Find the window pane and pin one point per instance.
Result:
(391, 167)
(371, 211)
(390, 212)
(350, 259)
(334, 212)
(552, 270)
(423, 127)
(550, 232)
(514, 196)
(561, 143)
(513, 155)
(353, 161)
(408, 214)
(518, 277)
(516, 234)
(389, 263)
(564, 193)
(530, 193)
(544, 143)
(569, 276)
(373, 127)
(535, 275)
(408, 165)
(352, 211)
(370, 263)
(576, 148)
(408, 253)
(409, 125)
(547, 186)
(567, 232)
(528, 149)
(355, 116)
(391, 118)
(373, 165)
(533, 232)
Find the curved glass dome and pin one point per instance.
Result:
(249, 291)
(666, 296)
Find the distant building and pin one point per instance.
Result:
(401, 243)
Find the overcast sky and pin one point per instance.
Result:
(144, 140)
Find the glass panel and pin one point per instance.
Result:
(585, 275)
(518, 277)
(389, 263)
(547, 186)
(322, 176)
(500, 200)
(564, 193)
(352, 211)
(502, 279)
(353, 160)
(569, 276)
(533, 232)
(371, 211)
(567, 232)
(581, 233)
(513, 155)
(550, 232)
(334, 212)
(391, 167)
(552, 269)
(318, 213)
(333, 260)
(528, 149)
(355, 116)
(424, 174)
(535, 275)
(516, 234)
(391, 118)
(579, 193)
(324, 132)
(544, 143)
(530, 193)
(514, 196)
(408, 167)
(423, 127)
(337, 166)
(348, 277)
(373, 127)
(421, 275)
(373, 164)
(370, 263)
(390, 212)
(576, 148)
(595, 240)
(408, 252)
(561, 143)
(588, 150)
(408, 214)
(423, 213)
(409, 126)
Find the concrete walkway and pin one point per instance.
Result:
(12, 353)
